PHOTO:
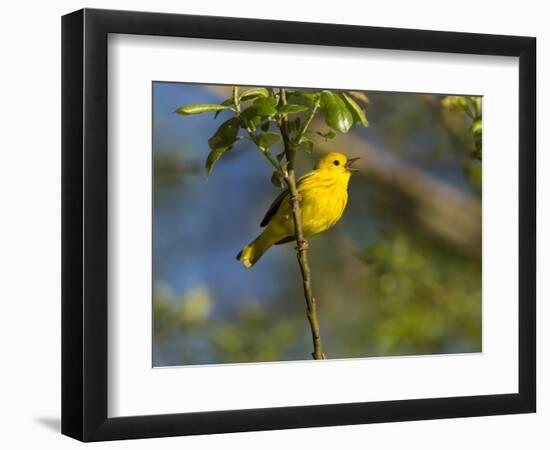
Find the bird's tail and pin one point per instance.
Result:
(254, 251)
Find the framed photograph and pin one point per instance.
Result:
(274, 224)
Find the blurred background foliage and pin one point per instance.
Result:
(400, 274)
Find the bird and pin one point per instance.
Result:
(323, 196)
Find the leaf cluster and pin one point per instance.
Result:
(471, 106)
(257, 115)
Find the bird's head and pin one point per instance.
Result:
(337, 163)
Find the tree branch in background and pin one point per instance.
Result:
(301, 248)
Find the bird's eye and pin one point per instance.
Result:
(336, 162)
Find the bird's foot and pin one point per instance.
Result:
(303, 245)
(298, 197)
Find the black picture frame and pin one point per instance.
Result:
(84, 224)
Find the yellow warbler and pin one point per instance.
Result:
(323, 198)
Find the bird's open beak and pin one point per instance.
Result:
(349, 164)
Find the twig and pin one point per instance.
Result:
(290, 179)
(235, 92)
(307, 122)
(272, 161)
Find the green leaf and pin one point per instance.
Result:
(356, 111)
(213, 157)
(276, 180)
(255, 123)
(337, 114)
(265, 106)
(307, 144)
(292, 108)
(476, 126)
(266, 140)
(221, 142)
(250, 118)
(328, 135)
(262, 107)
(468, 108)
(225, 135)
(254, 93)
(476, 102)
(303, 98)
(199, 109)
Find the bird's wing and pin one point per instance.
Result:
(273, 208)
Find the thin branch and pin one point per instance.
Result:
(290, 179)
(307, 122)
(266, 153)
(236, 99)
(273, 162)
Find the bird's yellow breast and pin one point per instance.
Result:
(323, 200)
